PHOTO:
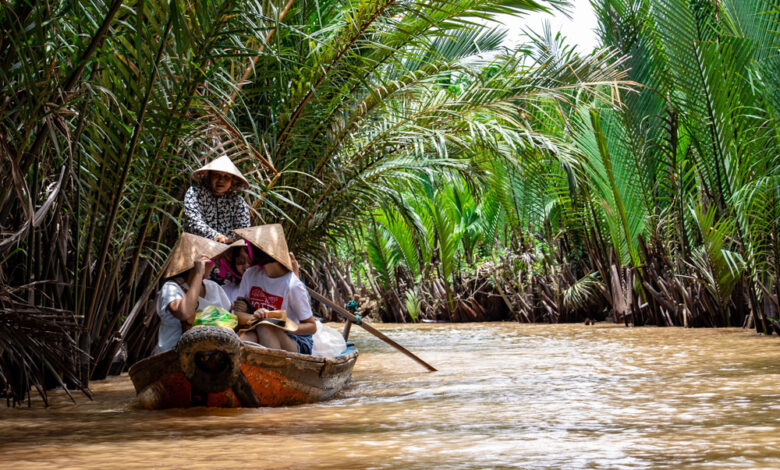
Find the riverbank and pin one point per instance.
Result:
(506, 395)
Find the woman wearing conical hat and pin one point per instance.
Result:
(271, 286)
(213, 206)
(187, 289)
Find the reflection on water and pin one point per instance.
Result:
(505, 396)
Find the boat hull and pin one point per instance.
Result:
(268, 377)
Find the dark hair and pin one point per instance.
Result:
(260, 257)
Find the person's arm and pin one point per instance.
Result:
(194, 222)
(299, 303)
(171, 291)
(307, 327)
(184, 309)
(243, 310)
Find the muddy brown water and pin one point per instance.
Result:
(505, 396)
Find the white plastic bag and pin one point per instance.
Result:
(328, 342)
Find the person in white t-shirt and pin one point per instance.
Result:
(187, 290)
(274, 287)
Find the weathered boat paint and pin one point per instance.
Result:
(277, 378)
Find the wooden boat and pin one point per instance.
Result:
(210, 366)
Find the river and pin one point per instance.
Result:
(506, 396)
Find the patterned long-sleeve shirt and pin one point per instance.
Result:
(208, 215)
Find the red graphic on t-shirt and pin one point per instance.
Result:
(262, 299)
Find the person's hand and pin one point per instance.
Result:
(223, 239)
(260, 313)
(201, 263)
(241, 305)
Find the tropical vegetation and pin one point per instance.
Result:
(418, 165)
(654, 207)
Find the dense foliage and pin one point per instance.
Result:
(417, 165)
(107, 106)
(659, 209)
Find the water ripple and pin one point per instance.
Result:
(505, 396)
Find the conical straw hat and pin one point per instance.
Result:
(239, 243)
(270, 239)
(188, 249)
(277, 318)
(223, 164)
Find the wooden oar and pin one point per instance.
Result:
(344, 313)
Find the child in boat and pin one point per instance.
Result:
(213, 206)
(235, 265)
(275, 287)
(187, 290)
